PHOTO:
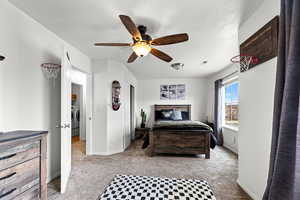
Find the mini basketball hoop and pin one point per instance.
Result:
(50, 70)
(244, 61)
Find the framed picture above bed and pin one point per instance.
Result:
(173, 92)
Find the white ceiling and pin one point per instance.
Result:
(211, 24)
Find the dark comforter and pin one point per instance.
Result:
(181, 126)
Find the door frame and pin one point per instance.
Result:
(84, 79)
(132, 112)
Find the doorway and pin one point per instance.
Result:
(77, 122)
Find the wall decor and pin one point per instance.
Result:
(172, 92)
(263, 44)
(116, 92)
(180, 93)
(164, 92)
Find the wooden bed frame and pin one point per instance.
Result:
(179, 141)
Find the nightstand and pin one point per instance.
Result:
(141, 132)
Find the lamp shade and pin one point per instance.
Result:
(141, 48)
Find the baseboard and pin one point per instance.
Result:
(248, 191)
(230, 148)
(53, 176)
(107, 153)
(117, 151)
(99, 154)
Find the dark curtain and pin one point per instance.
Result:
(284, 173)
(218, 112)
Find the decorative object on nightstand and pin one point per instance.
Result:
(144, 118)
(141, 132)
(23, 165)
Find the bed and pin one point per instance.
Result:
(178, 135)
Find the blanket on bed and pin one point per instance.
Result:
(182, 125)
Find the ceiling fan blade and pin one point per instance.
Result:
(161, 55)
(113, 44)
(131, 27)
(132, 57)
(171, 39)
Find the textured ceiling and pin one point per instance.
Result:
(211, 24)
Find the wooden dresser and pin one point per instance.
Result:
(23, 165)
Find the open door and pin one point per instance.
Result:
(89, 112)
(65, 126)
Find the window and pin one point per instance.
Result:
(231, 103)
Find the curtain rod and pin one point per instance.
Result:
(230, 74)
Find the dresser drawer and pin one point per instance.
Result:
(33, 193)
(16, 153)
(18, 179)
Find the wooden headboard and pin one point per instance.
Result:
(184, 108)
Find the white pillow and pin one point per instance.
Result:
(167, 114)
(176, 115)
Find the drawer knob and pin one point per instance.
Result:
(7, 193)
(8, 176)
(7, 157)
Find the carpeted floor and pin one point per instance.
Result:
(91, 174)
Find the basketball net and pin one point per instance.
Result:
(244, 61)
(51, 71)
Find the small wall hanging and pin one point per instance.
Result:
(116, 91)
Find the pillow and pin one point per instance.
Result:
(167, 114)
(176, 115)
(185, 115)
(163, 114)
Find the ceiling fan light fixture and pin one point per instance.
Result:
(141, 48)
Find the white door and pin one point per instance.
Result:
(66, 85)
(89, 112)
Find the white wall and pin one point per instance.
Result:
(230, 139)
(28, 100)
(148, 94)
(111, 128)
(256, 109)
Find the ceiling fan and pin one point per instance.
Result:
(142, 43)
